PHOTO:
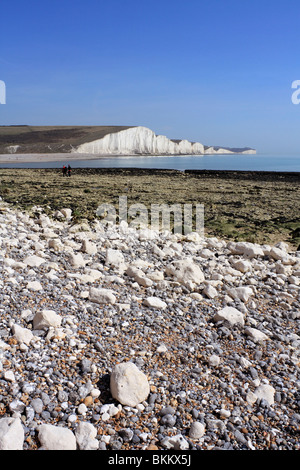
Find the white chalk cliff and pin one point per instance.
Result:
(225, 151)
(143, 141)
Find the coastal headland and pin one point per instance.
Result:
(89, 141)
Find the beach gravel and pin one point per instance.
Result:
(203, 332)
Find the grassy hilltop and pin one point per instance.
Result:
(51, 139)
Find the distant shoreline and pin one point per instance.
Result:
(63, 157)
(236, 162)
(52, 157)
(204, 174)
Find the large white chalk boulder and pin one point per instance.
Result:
(34, 261)
(77, 260)
(66, 212)
(11, 434)
(231, 315)
(155, 302)
(88, 247)
(256, 335)
(114, 257)
(185, 270)
(242, 293)
(250, 250)
(22, 335)
(46, 319)
(86, 436)
(102, 296)
(56, 437)
(128, 384)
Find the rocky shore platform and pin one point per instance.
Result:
(259, 207)
(113, 338)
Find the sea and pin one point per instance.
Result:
(278, 163)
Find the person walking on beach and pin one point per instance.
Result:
(69, 170)
(64, 171)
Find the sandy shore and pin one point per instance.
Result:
(48, 157)
(13, 158)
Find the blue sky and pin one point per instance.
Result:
(218, 71)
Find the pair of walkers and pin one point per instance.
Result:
(66, 171)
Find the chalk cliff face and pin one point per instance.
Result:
(249, 152)
(140, 141)
(143, 141)
(222, 151)
(219, 151)
(100, 140)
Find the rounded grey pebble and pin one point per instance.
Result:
(126, 434)
(38, 405)
(168, 420)
(167, 411)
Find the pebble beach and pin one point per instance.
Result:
(113, 338)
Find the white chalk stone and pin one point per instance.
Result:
(22, 335)
(210, 292)
(155, 302)
(34, 286)
(102, 296)
(197, 430)
(241, 293)
(256, 335)
(67, 213)
(214, 360)
(86, 436)
(243, 265)
(11, 434)
(46, 319)
(266, 392)
(76, 260)
(9, 376)
(55, 244)
(56, 437)
(128, 384)
(185, 270)
(114, 257)
(177, 442)
(231, 315)
(250, 250)
(34, 261)
(88, 247)
(278, 254)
